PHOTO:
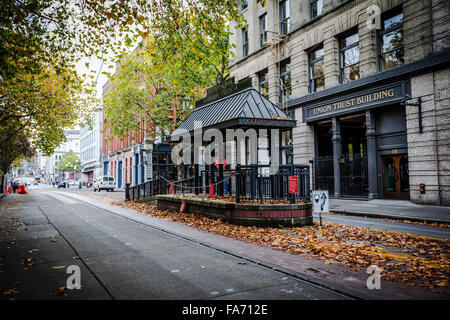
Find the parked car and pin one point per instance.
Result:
(107, 183)
(62, 184)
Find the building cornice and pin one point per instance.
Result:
(413, 69)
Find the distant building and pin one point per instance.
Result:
(49, 165)
(91, 148)
(136, 158)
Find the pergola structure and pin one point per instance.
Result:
(241, 110)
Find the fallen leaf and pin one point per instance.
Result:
(10, 291)
(58, 267)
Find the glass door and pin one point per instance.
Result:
(395, 176)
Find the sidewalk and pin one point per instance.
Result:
(391, 209)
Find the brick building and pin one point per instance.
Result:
(368, 84)
(136, 158)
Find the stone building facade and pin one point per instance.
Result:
(367, 82)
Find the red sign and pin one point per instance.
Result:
(216, 162)
(293, 184)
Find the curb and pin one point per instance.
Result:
(387, 216)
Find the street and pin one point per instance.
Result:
(123, 255)
(121, 259)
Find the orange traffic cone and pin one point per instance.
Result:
(22, 189)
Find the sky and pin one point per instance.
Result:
(95, 65)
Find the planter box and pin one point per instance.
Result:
(263, 215)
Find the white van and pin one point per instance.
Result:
(107, 183)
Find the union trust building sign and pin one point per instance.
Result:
(355, 102)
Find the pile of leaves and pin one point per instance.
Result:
(416, 260)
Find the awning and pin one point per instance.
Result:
(247, 108)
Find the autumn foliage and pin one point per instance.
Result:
(413, 259)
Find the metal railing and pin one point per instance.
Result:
(254, 183)
(247, 183)
(354, 175)
(156, 187)
(324, 173)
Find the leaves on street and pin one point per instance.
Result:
(416, 260)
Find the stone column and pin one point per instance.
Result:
(367, 46)
(371, 156)
(336, 156)
(331, 58)
(274, 86)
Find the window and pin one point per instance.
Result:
(286, 147)
(316, 71)
(285, 80)
(244, 42)
(263, 83)
(284, 17)
(349, 57)
(390, 40)
(316, 7)
(244, 4)
(262, 29)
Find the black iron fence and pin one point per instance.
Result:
(247, 183)
(354, 176)
(256, 183)
(324, 173)
(158, 186)
(223, 183)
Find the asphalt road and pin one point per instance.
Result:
(121, 259)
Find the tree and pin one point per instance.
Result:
(185, 49)
(19, 149)
(34, 32)
(42, 40)
(40, 43)
(148, 87)
(41, 107)
(69, 162)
